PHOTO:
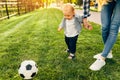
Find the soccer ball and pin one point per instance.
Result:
(28, 69)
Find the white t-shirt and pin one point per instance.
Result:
(72, 27)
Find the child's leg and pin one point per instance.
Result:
(72, 44)
(67, 41)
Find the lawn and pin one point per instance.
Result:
(34, 36)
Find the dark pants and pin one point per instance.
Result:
(71, 43)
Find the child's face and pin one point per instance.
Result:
(68, 14)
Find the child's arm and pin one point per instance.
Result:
(62, 25)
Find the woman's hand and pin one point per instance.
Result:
(86, 24)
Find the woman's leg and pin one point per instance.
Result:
(114, 28)
(111, 38)
(106, 15)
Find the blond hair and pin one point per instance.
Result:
(102, 2)
(68, 6)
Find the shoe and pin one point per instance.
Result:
(108, 56)
(71, 56)
(97, 65)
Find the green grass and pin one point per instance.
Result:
(34, 36)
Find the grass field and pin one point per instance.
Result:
(34, 36)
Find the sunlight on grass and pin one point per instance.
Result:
(34, 36)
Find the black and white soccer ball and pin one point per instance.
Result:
(28, 69)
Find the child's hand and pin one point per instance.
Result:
(59, 29)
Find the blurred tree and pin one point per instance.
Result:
(79, 2)
(69, 1)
